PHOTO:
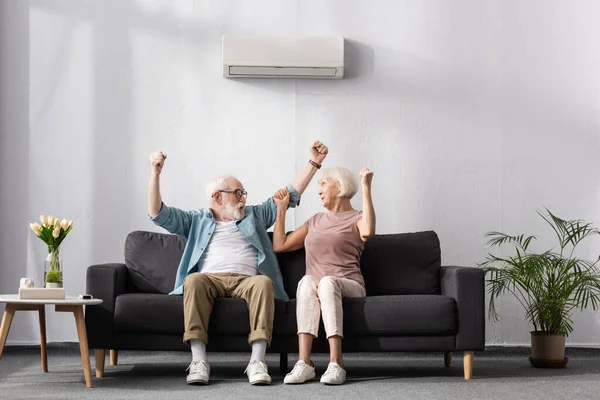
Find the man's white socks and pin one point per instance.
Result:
(259, 349)
(198, 350)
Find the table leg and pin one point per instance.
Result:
(77, 311)
(9, 313)
(42, 315)
(83, 345)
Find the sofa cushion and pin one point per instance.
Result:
(152, 259)
(293, 268)
(163, 314)
(403, 315)
(407, 263)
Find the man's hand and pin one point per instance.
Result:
(282, 198)
(157, 160)
(366, 176)
(318, 152)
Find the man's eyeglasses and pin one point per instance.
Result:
(238, 192)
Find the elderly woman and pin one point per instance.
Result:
(334, 242)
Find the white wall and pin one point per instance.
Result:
(472, 115)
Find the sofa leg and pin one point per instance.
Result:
(468, 363)
(114, 357)
(448, 359)
(100, 358)
(283, 362)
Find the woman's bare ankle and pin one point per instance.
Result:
(307, 361)
(338, 361)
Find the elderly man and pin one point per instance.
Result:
(228, 254)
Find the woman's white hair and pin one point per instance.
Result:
(346, 179)
(218, 183)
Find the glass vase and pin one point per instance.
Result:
(53, 271)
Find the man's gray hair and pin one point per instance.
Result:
(346, 179)
(218, 183)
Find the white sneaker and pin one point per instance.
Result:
(199, 372)
(257, 373)
(335, 375)
(301, 373)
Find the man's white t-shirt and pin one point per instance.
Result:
(228, 251)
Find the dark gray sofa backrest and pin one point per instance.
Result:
(152, 259)
(403, 263)
(406, 263)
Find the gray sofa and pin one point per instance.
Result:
(413, 303)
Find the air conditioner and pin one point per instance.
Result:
(283, 57)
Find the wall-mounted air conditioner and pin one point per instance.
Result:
(283, 57)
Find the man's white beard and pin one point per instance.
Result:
(235, 212)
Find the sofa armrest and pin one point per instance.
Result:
(467, 286)
(106, 282)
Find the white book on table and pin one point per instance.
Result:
(41, 293)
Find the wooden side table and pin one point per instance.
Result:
(70, 304)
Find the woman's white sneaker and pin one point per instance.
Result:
(301, 373)
(199, 372)
(335, 375)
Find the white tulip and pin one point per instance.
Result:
(56, 232)
(50, 220)
(57, 223)
(70, 225)
(43, 219)
(64, 223)
(36, 228)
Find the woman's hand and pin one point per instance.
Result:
(366, 176)
(366, 225)
(282, 198)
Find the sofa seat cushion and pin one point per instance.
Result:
(400, 315)
(163, 314)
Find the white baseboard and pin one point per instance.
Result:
(22, 343)
(586, 345)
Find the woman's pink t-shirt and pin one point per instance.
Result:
(333, 245)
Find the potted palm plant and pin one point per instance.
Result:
(550, 285)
